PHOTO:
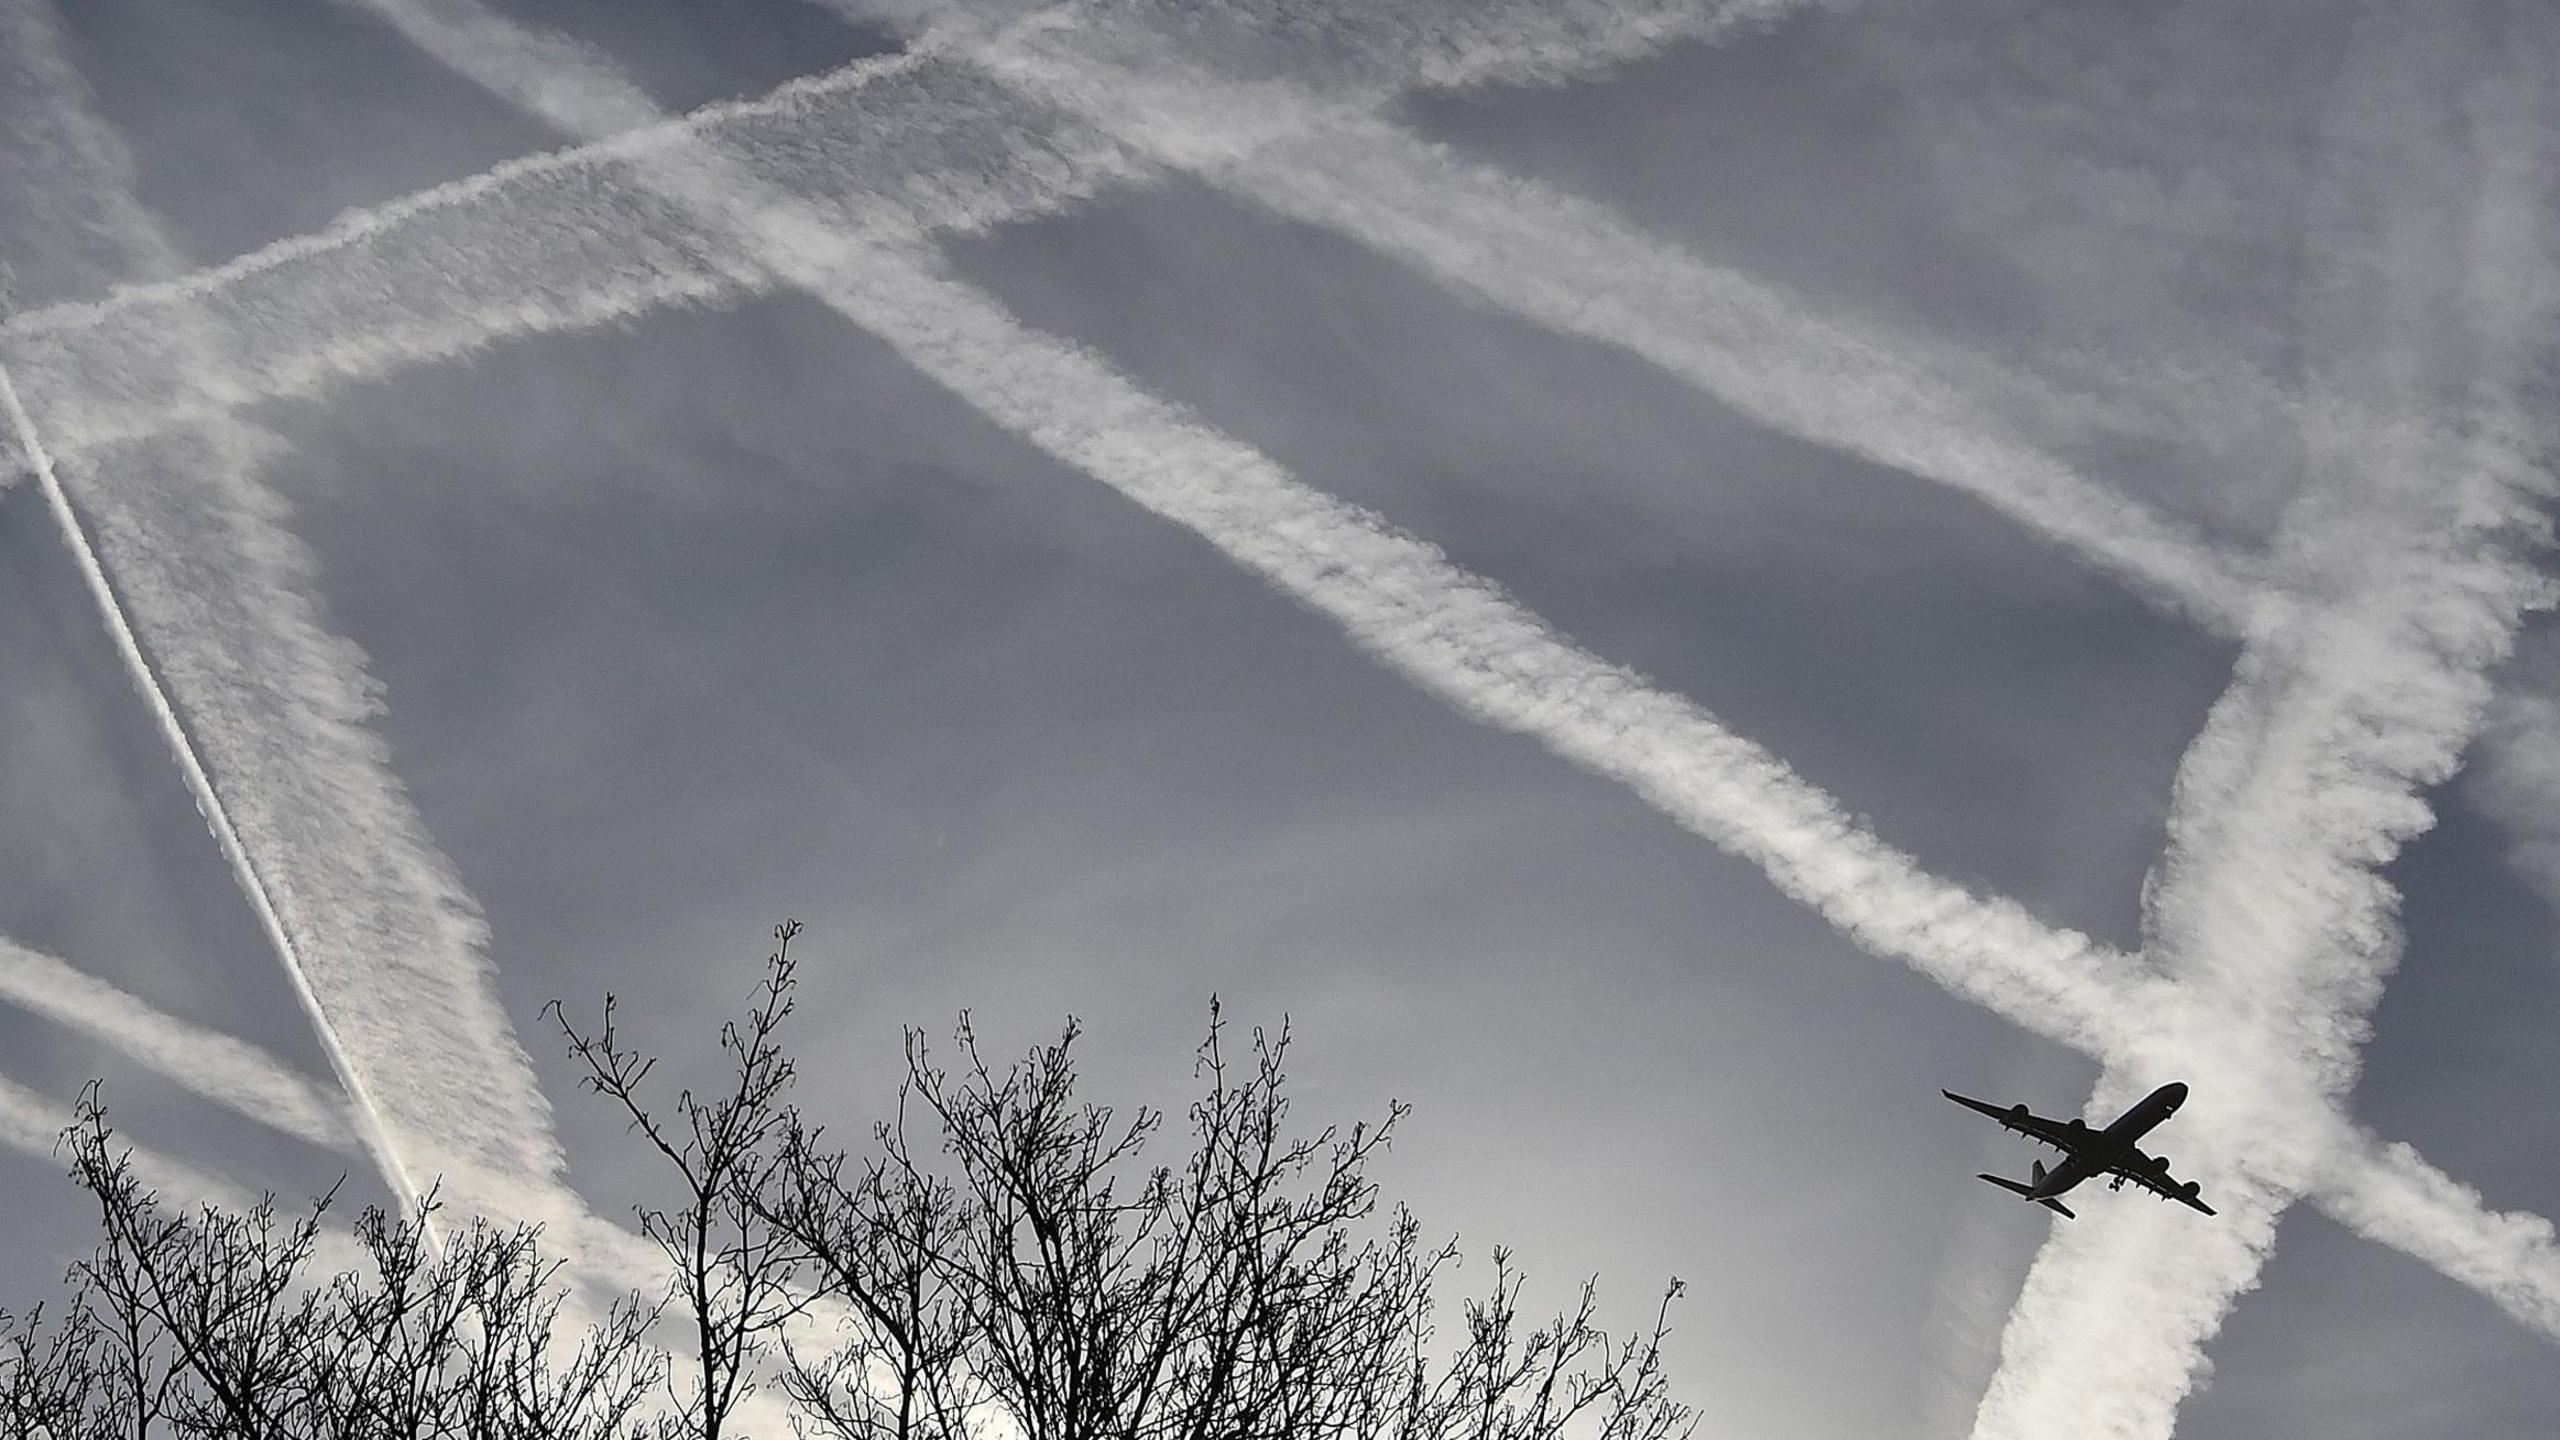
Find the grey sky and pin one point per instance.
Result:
(727, 613)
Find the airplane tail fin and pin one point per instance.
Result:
(2035, 1172)
(2015, 1188)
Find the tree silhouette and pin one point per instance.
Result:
(1002, 1258)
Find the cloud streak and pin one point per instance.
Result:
(712, 273)
(209, 802)
(2415, 553)
(1576, 268)
(207, 599)
(33, 1124)
(223, 1069)
(972, 347)
(1397, 597)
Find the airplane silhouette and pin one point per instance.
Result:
(2089, 1153)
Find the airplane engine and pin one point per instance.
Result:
(2191, 1187)
(2160, 1163)
(2018, 1113)
(2079, 1128)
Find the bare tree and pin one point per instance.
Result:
(1002, 1258)
(734, 1273)
(211, 1322)
(1006, 1263)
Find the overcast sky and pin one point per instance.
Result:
(687, 617)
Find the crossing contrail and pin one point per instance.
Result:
(207, 599)
(2269, 906)
(713, 281)
(1397, 597)
(1071, 405)
(547, 242)
(220, 1068)
(1576, 268)
(208, 801)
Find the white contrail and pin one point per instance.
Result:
(1074, 407)
(562, 243)
(209, 802)
(1352, 46)
(1566, 263)
(207, 599)
(2387, 1190)
(630, 286)
(706, 267)
(219, 1067)
(1398, 597)
(2515, 777)
(2269, 905)
(1576, 268)
(556, 241)
(33, 1124)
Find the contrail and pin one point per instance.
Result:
(209, 802)
(2515, 778)
(1576, 268)
(563, 243)
(34, 1125)
(957, 149)
(206, 597)
(1579, 270)
(1084, 414)
(1397, 597)
(2268, 905)
(228, 1071)
(1352, 46)
(710, 273)
(2388, 1190)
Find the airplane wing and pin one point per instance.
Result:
(2060, 1134)
(2151, 1172)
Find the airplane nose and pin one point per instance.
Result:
(2176, 1091)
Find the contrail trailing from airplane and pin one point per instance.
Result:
(1575, 268)
(968, 360)
(713, 283)
(228, 1071)
(2269, 902)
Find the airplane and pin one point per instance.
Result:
(2089, 1153)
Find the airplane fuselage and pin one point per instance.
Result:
(2109, 1147)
